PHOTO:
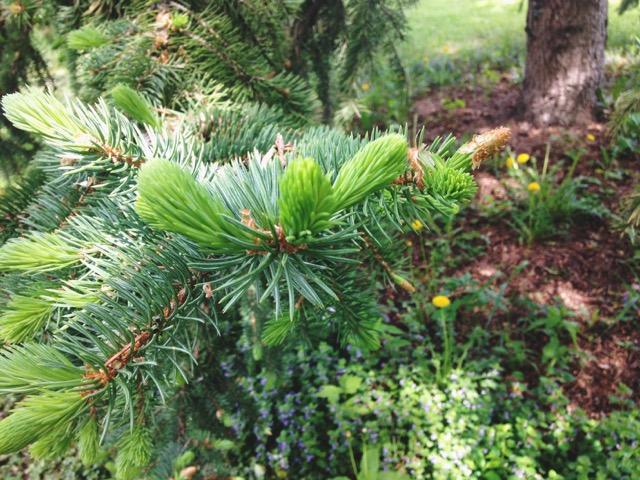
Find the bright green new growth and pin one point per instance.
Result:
(88, 441)
(85, 39)
(41, 113)
(449, 188)
(134, 453)
(53, 445)
(29, 368)
(135, 105)
(169, 198)
(41, 252)
(306, 200)
(374, 167)
(36, 416)
(26, 313)
(74, 294)
(24, 317)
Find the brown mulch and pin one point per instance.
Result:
(587, 270)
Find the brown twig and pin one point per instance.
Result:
(127, 353)
(280, 240)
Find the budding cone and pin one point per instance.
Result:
(485, 146)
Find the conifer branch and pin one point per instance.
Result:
(126, 354)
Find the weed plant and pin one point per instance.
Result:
(543, 203)
(394, 414)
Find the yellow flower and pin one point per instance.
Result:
(446, 48)
(425, 59)
(533, 187)
(523, 158)
(509, 162)
(441, 301)
(16, 8)
(591, 137)
(417, 224)
(366, 86)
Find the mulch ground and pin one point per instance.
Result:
(587, 270)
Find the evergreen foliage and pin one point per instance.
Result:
(127, 302)
(192, 202)
(20, 61)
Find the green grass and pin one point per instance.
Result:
(445, 27)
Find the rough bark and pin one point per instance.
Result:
(565, 60)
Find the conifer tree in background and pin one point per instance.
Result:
(286, 54)
(232, 58)
(197, 200)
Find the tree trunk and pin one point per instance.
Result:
(565, 60)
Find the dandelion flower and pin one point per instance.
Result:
(366, 86)
(441, 301)
(523, 158)
(533, 187)
(446, 48)
(417, 224)
(425, 59)
(591, 137)
(509, 162)
(16, 8)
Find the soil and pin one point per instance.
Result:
(588, 270)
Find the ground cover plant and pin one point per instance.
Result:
(227, 290)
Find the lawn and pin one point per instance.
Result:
(441, 27)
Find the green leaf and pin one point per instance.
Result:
(257, 352)
(552, 350)
(306, 200)
(374, 167)
(224, 444)
(350, 383)
(369, 464)
(491, 475)
(392, 475)
(330, 392)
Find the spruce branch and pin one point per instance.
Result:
(38, 253)
(126, 354)
(306, 200)
(134, 453)
(37, 415)
(135, 105)
(23, 317)
(170, 199)
(31, 367)
(627, 103)
(374, 167)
